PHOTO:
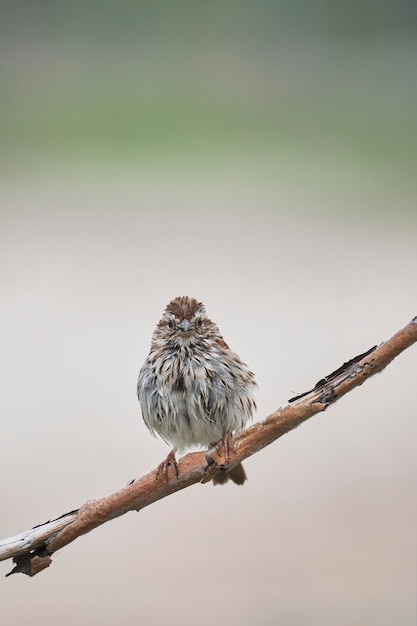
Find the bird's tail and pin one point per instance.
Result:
(236, 474)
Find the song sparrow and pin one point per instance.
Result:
(193, 390)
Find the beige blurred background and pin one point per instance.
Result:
(260, 157)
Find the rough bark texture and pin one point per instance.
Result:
(32, 550)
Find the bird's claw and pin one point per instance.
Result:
(226, 446)
(166, 463)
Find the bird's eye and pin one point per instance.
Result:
(199, 322)
(171, 324)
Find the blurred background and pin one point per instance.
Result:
(261, 157)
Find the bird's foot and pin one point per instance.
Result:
(225, 446)
(166, 463)
(222, 451)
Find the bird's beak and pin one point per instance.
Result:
(185, 326)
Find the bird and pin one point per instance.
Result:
(192, 389)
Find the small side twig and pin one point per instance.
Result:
(32, 550)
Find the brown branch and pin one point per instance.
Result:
(32, 550)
